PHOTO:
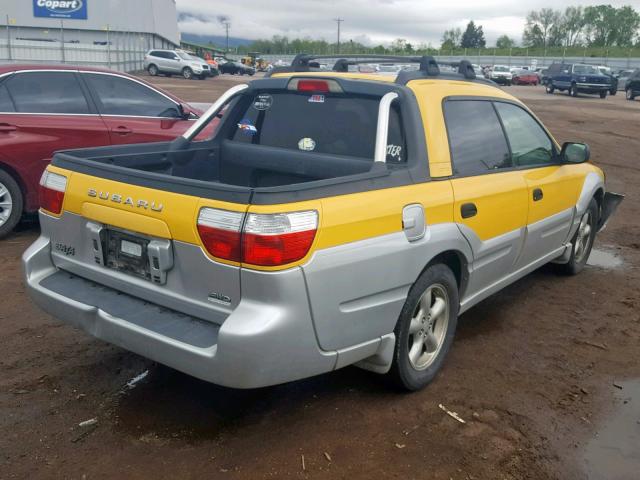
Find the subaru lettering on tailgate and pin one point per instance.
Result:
(72, 9)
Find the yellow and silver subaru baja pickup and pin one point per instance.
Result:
(334, 218)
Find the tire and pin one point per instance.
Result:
(436, 290)
(187, 73)
(603, 94)
(613, 92)
(152, 70)
(582, 241)
(629, 94)
(573, 91)
(11, 203)
(549, 88)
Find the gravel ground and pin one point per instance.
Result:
(533, 371)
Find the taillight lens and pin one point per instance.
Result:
(313, 86)
(220, 232)
(52, 188)
(278, 239)
(264, 239)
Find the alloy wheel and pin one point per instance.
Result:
(583, 238)
(6, 204)
(428, 327)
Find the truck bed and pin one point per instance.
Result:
(232, 171)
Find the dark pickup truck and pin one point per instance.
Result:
(577, 78)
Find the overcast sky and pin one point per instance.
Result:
(368, 21)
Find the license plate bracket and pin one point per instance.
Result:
(127, 253)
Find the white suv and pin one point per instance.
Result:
(501, 74)
(170, 62)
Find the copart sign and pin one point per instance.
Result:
(73, 9)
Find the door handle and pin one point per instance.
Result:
(122, 130)
(537, 194)
(468, 210)
(5, 127)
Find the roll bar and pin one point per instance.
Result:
(213, 110)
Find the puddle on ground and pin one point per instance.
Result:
(614, 452)
(604, 259)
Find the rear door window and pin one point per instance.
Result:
(47, 92)
(322, 123)
(121, 96)
(476, 139)
(6, 104)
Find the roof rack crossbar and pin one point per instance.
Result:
(428, 66)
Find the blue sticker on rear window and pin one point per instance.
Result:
(247, 127)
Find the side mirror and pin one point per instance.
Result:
(186, 112)
(575, 152)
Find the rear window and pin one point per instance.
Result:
(322, 123)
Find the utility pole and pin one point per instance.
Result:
(338, 21)
(227, 25)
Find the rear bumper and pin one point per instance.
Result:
(268, 338)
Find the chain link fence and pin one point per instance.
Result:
(616, 64)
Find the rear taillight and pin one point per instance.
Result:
(220, 232)
(52, 188)
(278, 239)
(314, 85)
(257, 239)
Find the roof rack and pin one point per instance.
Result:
(428, 67)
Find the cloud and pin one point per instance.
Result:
(373, 21)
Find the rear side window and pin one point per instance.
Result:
(121, 96)
(329, 124)
(476, 138)
(6, 105)
(47, 92)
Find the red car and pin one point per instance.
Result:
(525, 77)
(49, 108)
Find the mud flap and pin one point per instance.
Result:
(609, 205)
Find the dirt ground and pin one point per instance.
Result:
(535, 371)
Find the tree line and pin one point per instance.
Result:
(599, 26)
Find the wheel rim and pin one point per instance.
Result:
(583, 237)
(153, 71)
(628, 94)
(187, 73)
(6, 204)
(428, 327)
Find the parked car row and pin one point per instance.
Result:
(48, 108)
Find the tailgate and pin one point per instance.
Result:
(143, 241)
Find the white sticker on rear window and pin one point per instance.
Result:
(394, 151)
(307, 144)
(316, 99)
(263, 102)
